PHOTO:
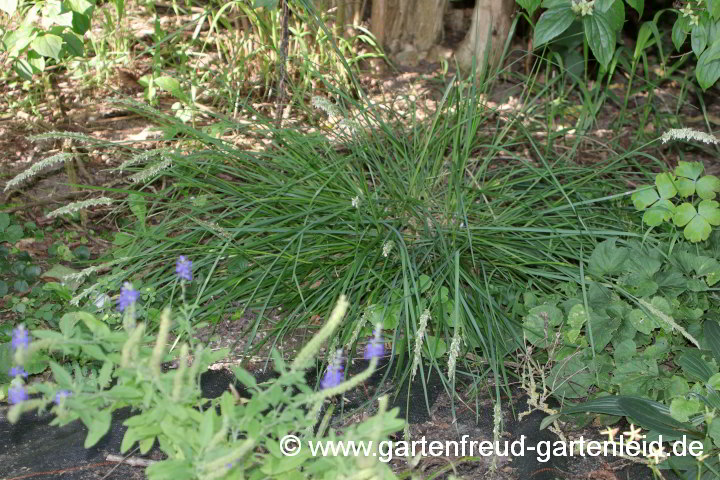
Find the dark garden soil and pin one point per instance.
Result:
(32, 449)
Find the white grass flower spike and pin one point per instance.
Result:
(37, 168)
(75, 206)
(688, 134)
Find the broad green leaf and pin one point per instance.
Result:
(638, 5)
(680, 30)
(600, 36)
(707, 186)
(641, 321)
(435, 346)
(699, 38)
(80, 23)
(8, 6)
(624, 351)
(172, 86)
(73, 44)
(694, 366)
(603, 328)
(714, 431)
(539, 324)
(25, 70)
(552, 23)
(713, 7)
(80, 6)
(36, 61)
(62, 19)
(577, 316)
(62, 377)
(682, 409)
(4, 221)
(711, 329)
(677, 386)
(571, 379)
(616, 15)
(607, 259)
(48, 45)
(138, 206)
(98, 427)
(640, 411)
(424, 282)
(529, 5)
(555, 3)
(642, 38)
(644, 196)
(171, 470)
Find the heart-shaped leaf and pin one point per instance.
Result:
(552, 23)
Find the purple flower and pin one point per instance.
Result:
(18, 372)
(128, 296)
(334, 375)
(61, 395)
(20, 338)
(376, 347)
(183, 268)
(17, 394)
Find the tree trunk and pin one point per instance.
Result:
(488, 32)
(397, 23)
(415, 26)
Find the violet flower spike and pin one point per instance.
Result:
(376, 347)
(183, 268)
(61, 395)
(17, 394)
(20, 338)
(128, 296)
(18, 372)
(334, 375)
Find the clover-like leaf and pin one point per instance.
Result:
(661, 211)
(684, 213)
(665, 185)
(687, 175)
(707, 186)
(691, 170)
(697, 223)
(708, 209)
(644, 196)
